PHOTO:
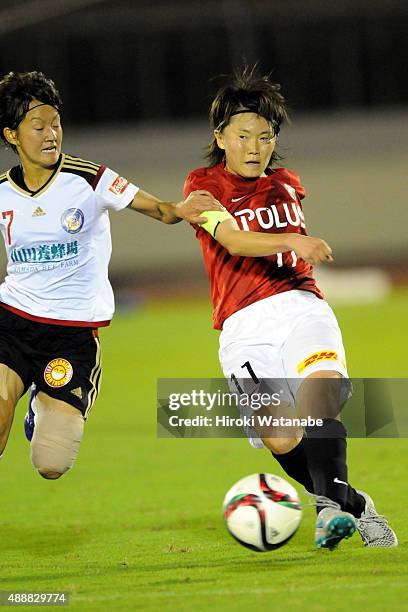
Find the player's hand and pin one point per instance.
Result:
(197, 202)
(313, 250)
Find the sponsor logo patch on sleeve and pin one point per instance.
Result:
(119, 185)
(315, 357)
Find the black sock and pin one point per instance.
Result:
(355, 503)
(295, 465)
(326, 449)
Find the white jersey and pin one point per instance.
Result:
(58, 243)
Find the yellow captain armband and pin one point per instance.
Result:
(214, 218)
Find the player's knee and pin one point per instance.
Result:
(49, 474)
(56, 440)
(280, 446)
(322, 394)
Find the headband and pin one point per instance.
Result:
(244, 110)
(275, 124)
(36, 106)
(21, 117)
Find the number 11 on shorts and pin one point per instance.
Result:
(254, 377)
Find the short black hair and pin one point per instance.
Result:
(246, 89)
(17, 90)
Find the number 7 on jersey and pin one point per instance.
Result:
(10, 214)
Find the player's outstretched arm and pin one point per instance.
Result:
(189, 210)
(260, 244)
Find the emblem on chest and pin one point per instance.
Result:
(72, 220)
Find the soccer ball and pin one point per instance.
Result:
(262, 512)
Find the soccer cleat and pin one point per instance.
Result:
(332, 524)
(374, 528)
(29, 419)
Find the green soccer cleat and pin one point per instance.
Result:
(332, 524)
(374, 528)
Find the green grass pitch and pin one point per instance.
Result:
(137, 523)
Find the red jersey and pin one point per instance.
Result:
(267, 204)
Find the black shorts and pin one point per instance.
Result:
(63, 362)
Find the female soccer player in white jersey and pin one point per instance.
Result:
(55, 224)
(275, 323)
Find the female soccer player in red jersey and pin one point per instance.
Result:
(275, 323)
(55, 224)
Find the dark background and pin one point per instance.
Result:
(157, 60)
